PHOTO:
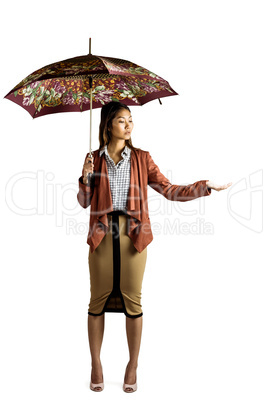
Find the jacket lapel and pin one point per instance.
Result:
(133, 202)
(133, 174)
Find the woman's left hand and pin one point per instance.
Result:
(217, 187)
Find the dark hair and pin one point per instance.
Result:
(108, 113)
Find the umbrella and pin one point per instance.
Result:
(87, 82)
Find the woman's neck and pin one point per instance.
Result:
(116, 148)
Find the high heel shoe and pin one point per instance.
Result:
(133, 387)
(99, 385)
(94, 386)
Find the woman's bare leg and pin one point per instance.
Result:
(95, 337)
(134, 331)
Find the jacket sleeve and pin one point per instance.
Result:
(174, 192)
(85, 192)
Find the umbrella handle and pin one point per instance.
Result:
(89, 155)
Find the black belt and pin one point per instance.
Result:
(118, 212)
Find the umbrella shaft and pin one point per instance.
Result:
(90, 86)
(90, 120)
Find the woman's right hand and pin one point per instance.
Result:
(88, 167)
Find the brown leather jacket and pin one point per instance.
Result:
(143, 172)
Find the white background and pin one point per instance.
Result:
(204, 295)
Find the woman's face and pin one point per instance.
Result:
(122, 125)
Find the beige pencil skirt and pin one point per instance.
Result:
(116, 271)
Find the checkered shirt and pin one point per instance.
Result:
(119, 177)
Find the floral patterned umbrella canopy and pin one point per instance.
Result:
(87, 82)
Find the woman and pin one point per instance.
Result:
(120, 230)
